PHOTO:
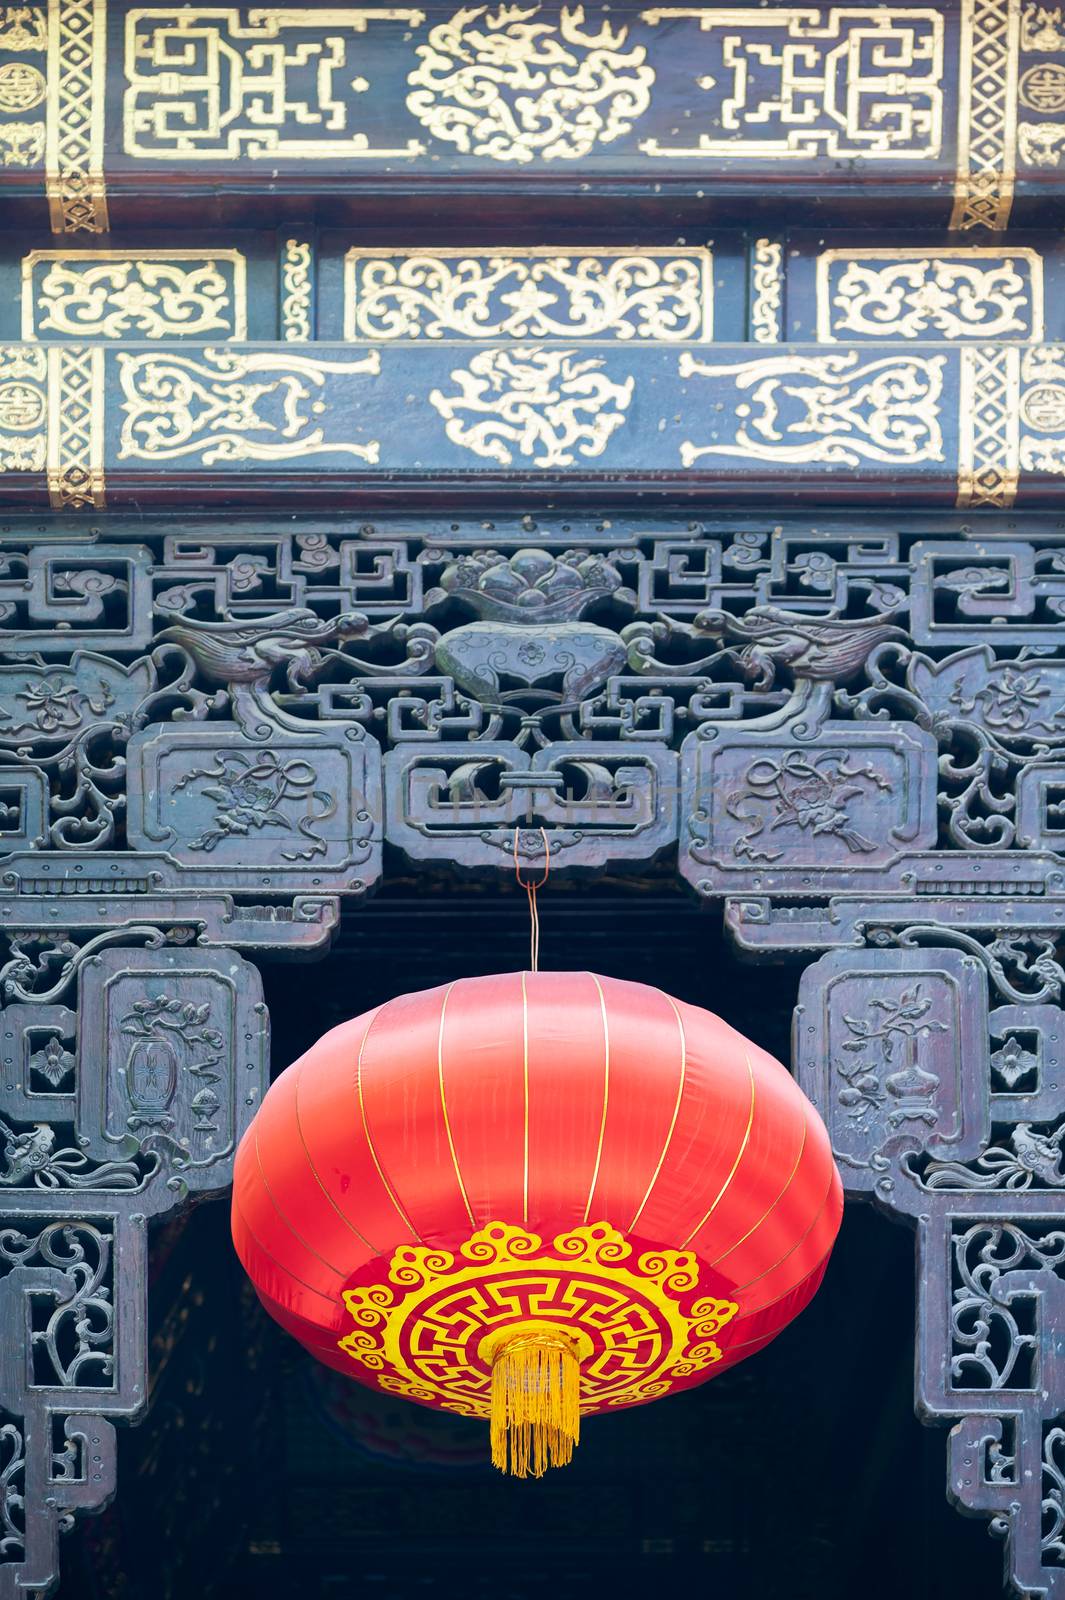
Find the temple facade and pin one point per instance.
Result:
(623, 443)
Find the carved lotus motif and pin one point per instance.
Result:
(531, 584)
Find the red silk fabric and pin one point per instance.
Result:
(548, 1100)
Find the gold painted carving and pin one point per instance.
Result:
(921, 294)
(522, 83)
(987, 114)
(1042, 409)
(660, 296)
(790, 82)
(988, 425)
(1042, 87)
(22, 87)
(74, 145)
(23, 409)
(838, 409)
(22, 28)
(424, 1327)
(21, 144)
(542, 403)
(76, 427)
(768, 285)
(1039, 143)
(150, 294)
(203, 84)
(1042, 28)
(1011, 419)
(52, 420)
(296, 291)
(227, 405)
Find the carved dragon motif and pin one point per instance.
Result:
(817, 649)
(242, 657)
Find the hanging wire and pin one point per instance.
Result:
(530, 891)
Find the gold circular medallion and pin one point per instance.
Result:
(1043, 408)
(1042, 88)
(21, 407)
(21, 86)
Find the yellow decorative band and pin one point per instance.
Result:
(987, 114)
(74, 128)
(74, 461)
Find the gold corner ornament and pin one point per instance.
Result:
(987, 114)
(74, 120)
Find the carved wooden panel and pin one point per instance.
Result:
(849, 736)
(131, 1065)
(953, 1116)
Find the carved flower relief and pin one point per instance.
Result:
(158, 299)
(904, 299)
(507, 85)
(530, 585)
(543, 404)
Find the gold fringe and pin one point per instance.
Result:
(536, 1419)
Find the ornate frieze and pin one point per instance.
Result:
(980, 424)
(770, 78)
(235, 406)
(515, 84)
(966, 101)
(218, 84)
(796, 286)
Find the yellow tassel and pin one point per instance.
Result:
(536, 1419)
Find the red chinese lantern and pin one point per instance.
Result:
(533, 1197)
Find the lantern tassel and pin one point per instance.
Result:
(536, 1419)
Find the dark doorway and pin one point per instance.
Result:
(802, 1474)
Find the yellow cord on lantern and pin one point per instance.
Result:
(530, 890)
(536, 1419)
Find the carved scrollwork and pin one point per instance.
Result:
(229, 407)
(625, 295)
(516, 85)
(836, 408)
(546, 405)
(149, 294)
